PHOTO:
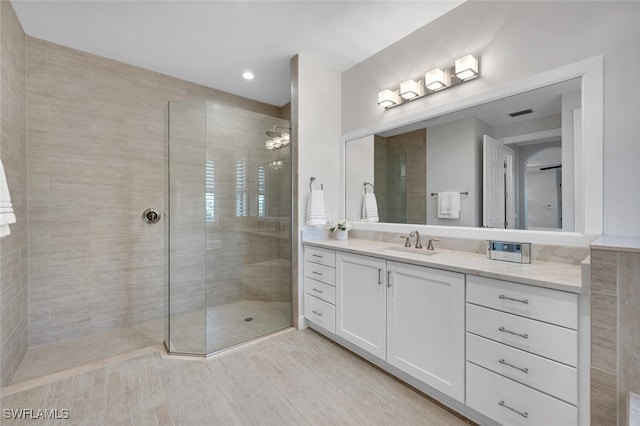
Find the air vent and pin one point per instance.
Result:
(519, 113)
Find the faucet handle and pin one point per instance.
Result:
(407, 240)
(430, 245)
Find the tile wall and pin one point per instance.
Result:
(615, 333)
(97, 159)
(405, 195)
(13, 152)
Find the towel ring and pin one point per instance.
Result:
(311, 179)
(373, 189)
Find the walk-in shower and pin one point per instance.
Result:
(228, 227)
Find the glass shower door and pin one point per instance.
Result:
(229, 228)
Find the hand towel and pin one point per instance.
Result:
(7, 216)
(316, 214)
(449, 205)
(370, 207)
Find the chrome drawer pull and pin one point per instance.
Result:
(317, 313)
(316, 255)
(316, 273)
(388, 278)
(522, 413)
(525, 301)
(523, 335)
(524, 370)
(319, 291)
(379, 276)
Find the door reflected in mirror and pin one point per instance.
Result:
(503, 164)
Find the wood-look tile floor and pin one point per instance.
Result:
(290, 378)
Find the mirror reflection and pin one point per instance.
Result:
(503, 164)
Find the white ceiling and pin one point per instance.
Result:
(213, 42)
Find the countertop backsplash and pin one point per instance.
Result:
(540, 252)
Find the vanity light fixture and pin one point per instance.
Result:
(411, 89)
(388, 98)
(464, 69)
(435, 80)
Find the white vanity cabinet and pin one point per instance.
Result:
(425, 325)
(522, 353)
(361, 296)
(411, 316)
(319, 287)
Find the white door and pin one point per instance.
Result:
(510, 188)
(361, 302)
(493, 183)
(425, 326)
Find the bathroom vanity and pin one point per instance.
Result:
(499, 342)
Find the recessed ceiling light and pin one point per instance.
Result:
(247, 75)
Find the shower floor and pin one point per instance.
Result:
(225, 327)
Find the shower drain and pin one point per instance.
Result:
(247, 319)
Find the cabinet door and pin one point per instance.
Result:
(361, 301)
(425, 326)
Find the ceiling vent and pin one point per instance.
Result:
(519, 113)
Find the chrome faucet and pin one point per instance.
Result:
(418, 242)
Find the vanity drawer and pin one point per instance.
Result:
(551, 377)
(320, 256)
(491, 394)
(326, 274)
(320, 312)
(550, 341)
(320, 290)
(553, 306)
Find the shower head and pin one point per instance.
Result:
(273, 133)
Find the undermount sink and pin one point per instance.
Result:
(412, 250)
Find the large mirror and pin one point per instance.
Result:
(508, 164)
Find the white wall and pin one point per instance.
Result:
(515, 40)
(359, 155)
(452, 166)
(319, 109)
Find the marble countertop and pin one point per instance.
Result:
(557, 276)
(629, 243)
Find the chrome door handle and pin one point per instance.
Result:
(524, 370)
(522, 413)
(317, 313)
(523, 335)
(388, 278)
(379, 276)
(525, 301)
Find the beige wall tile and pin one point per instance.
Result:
(13, 151)
(98, 156)
(604, 271)
(629, 332)
(603, 398)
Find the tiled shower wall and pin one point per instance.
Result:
(96, 155)
(615, 334)
(225, 258)
(13, 151)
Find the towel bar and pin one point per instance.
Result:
(373, 189)
(311, 179)
(433, 194)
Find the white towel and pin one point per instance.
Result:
(449, 205)
(370, 207)
(7, 216)
(316, 213)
